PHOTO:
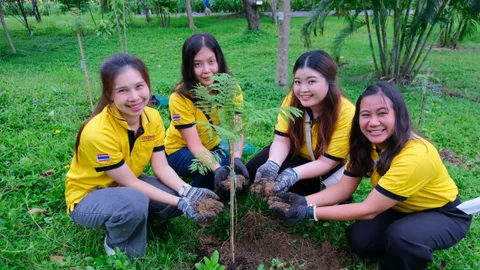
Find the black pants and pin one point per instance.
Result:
(303, 187)
(407, 241)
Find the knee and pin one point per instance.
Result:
(134, 207)
(357, 241)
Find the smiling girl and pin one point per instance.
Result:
(411, 209)
(105, 186)
(187, 137)
(311, 149)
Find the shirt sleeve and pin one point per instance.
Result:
(182, 111)
(159, 134)
(340, 140)
(101, 150)
(408, 174)
(281, 127)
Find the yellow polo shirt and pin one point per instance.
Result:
(106, 143)
(184, 114)
(417, 178)
(339, 142)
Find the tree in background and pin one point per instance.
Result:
(5, 29)
(251, 12)
(281, 76)
(36, 13)
(191, 24)
(20, 13)
(413, 23)
(462, 19)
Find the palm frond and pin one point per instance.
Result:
(343, 34)
(316, 20)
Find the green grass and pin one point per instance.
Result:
(42, 90)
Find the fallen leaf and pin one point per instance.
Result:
(58, 259)
(36, 210)
(47, 173)
(52, 113)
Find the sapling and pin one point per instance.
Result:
(231, 117)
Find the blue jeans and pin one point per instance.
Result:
(124, 211)
(181, 160)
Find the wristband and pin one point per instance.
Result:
(183, 188)
(314, 210)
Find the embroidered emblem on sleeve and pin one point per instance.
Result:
(176, 117)
(103, 158)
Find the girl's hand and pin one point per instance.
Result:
(220, 175)
(241, 170)
(268, 170)
(189, 209)
(197, 194)
(285, 180)
(290, 207)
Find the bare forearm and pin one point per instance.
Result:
(153, 193)
(205, 157)
(330, 196)
(169, 177)
(353, 211)
(278, 152)
(238, 148)
(315, 168)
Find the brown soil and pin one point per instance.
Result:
(208, 207)
(281, 205)
(240, 183)
(260, 240)
(263, 187)
(449, 156)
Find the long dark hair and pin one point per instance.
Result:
(323, 63)
(109, 70)
(190, 48)
(361, 163)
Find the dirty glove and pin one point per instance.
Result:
(240, 169)
(268, 170)
(188, 209)
(290, 207)
(220, 175)
(196, 194)
(285, 180)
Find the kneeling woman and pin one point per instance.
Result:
(315, 144)
(411, 210)
(105, 186)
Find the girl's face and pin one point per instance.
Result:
(130, 94)
(377, 119)
(204, 66)
(310, 87)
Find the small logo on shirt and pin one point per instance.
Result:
(148, 138)
(176, 117)
(103, 158)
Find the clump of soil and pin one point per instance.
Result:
(263, 187)
(241, 183)
(260, 240)
(209, 208)
(449, 156)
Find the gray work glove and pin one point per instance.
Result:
(240, 169)
(268, 170)
(188, 209)
(196, 194)
(290, 207)
(220, 175)
(285, 180)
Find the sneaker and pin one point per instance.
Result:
(110, 251)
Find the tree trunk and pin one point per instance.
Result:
(36, 13)
(191, 24)
(145, 9)
(281, 77)
(118, 26)
(47, 5)
(251, 11)
(5, 30)
(273, 3)
(24, 15)
(87, 80)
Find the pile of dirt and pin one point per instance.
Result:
(208, 207)
(449, 156)
(241, 183)
(263, 187)
(260, 240)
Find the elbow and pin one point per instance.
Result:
(369, 216)
(368, 213)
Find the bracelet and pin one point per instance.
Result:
(314, 209)
(183, 189)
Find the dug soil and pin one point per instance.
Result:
(240, 183)
(260, 240)
(263, 187)
(449, 156)
(208, 207)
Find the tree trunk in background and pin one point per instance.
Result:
(47, 5)
(5, 30)
(36, 13)
(273, 3)
(251, 11)
(145, 9)
(281, 77)
(24, 16)
(191, 24)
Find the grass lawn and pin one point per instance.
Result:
(43, 102)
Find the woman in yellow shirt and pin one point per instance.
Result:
(411, 209)
(105, 186)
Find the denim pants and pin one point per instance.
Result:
(124, 211)
(407, 241)
(181, 160)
